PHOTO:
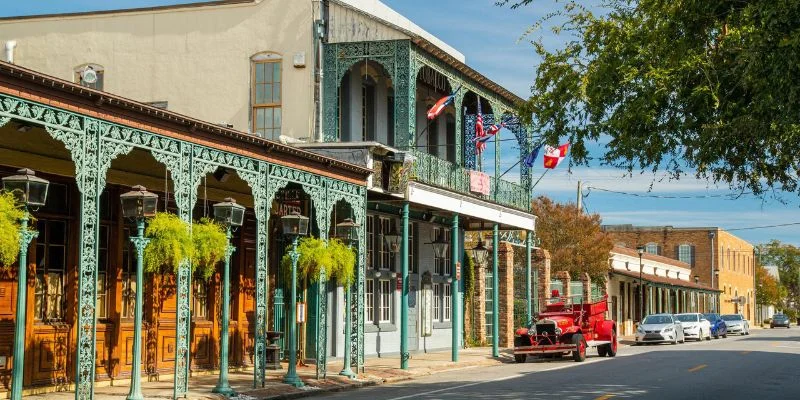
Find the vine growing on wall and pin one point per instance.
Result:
(10, 214)
(471, 338)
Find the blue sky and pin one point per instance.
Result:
(489, 38)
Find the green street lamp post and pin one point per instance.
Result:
(230, 215)
(347, 232)
(138, 205)
(294, 226)
(30, 191)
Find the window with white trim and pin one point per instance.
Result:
(370, 301)
(652, 248)
(370, 240)
(385, 309)
(685, 253)
(442, 265)
(437, 302)
(386, 256)
(446, 301)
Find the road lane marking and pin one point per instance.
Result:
(503, 378)
(697, 368)
(605, 397)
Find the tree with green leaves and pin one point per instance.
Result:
(707, 88)
(575, 241)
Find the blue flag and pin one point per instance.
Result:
(531, 158)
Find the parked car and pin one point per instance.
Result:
(736, 324)
(694, 326)
(779, 320)
(660, 328)
(718, 325)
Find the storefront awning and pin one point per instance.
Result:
(663, 281)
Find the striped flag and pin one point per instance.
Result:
(442, 104)
(480, 134)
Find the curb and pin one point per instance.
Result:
(375, 382)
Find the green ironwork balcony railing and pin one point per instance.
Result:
(434, 171)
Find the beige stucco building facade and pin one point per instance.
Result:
(196, 58)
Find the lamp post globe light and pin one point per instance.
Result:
(230, 215)
(138, 205)
(347, 232)
(640, 250)
(480, 253)
(392, 239)
(440, 244)
(294, 225)
(29, 191)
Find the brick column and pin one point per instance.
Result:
(479, 303)
(586, 283)
(565, 279)
(543, 283)
(506, 283)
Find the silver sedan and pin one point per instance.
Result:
(660, 328)
(736, 324)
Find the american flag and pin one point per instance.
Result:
(480, 145)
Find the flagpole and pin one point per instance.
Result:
(540, 178)
(512, 167)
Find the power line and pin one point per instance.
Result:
(657, 196)
(764, 226)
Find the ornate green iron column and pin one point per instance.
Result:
(25, 237)
(495, 292)
(528, 302)
(291, 377)
(454, 289)
(223, 386)
(404, 356)
(139, 242)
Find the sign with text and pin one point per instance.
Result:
(479, 182)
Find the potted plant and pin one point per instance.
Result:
(10, 215)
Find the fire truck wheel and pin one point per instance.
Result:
(612, 347)
(602, 350)
(520, 358)
(579, 355)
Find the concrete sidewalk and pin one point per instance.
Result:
(381, 370)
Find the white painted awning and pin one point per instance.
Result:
(446, 200)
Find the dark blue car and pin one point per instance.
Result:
(718, 326)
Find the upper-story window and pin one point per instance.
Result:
(652, 248)
(267, 82)
(686, 254)
(90, 75)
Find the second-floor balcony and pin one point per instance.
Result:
(373, 93)
(434, 171)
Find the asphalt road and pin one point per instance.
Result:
(764, 365)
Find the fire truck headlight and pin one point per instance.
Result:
(558, 331)
(532, 331)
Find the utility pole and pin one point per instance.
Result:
(580, 198)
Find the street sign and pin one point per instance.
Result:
(458, 270)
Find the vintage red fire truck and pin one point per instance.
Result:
(568, 327)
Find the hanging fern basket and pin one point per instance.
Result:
(210, 243)
(10, 215)
(170, 243)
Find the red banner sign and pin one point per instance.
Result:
(479, 182)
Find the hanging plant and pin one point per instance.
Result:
(314, 256)
(170, 243)
(210, 242)
(10, 214)
(344, 262)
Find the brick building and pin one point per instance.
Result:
(732, 259)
